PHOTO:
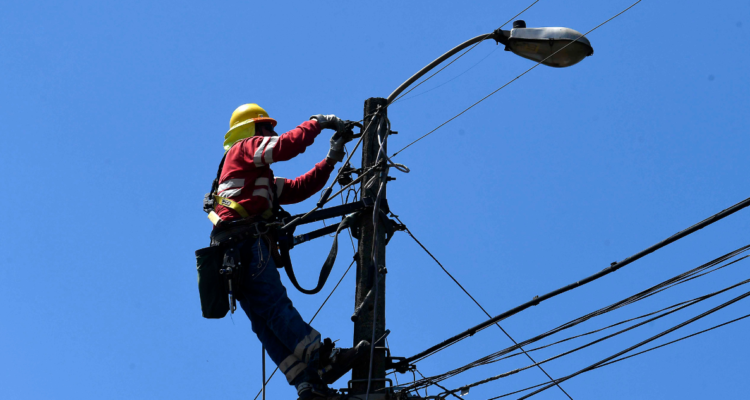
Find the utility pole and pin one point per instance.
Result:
(366, 271)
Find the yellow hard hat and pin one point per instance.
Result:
(242, 123)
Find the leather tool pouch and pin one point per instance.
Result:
(212, 286)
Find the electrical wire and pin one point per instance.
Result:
(512, 80)
(630, 300)
(638, 353)
(476, 302)
(606, 271)
(503, 375)
(450, 80)
(441, 69)
(652, 338)
(593, 331)
(299, 220)
(675, 341)
(621, 322)
(438, 385)
(669, 283)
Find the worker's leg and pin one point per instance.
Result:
(292, 368)
(291, 343)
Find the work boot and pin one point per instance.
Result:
(309, 391)
(335, 362)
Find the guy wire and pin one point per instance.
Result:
(479, 305)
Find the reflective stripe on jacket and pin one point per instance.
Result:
(248, 179)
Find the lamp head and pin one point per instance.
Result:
(539, 44)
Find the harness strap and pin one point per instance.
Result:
(229, 203)
(211, 200)
(348, 221)
(214, 218)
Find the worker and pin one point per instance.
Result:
(246, 178)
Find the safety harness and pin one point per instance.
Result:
(212, 199)
(231, 237)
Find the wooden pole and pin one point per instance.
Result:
(366, 271)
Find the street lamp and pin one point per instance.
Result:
(554, 47)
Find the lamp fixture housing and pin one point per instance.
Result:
(553, 46)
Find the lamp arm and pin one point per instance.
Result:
(498, 35)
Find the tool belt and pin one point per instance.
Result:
(221, 268)
(228, 234)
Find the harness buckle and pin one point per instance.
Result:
(258, 231)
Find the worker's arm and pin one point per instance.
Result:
(292, 191)
(265, 150)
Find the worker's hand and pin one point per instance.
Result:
(329, 121)
(338, 140)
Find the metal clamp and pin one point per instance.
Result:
(349, 385)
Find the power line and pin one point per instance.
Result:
(636, 354)
(515, 371)
(437, 384)
(606, 271)
(669, 283)
(675, 341)
(630, 300)
(652, 338)
(477, 303)
(594, 331)
(512, 80)
(686, 278)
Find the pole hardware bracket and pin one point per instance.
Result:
(398, 364)
(502, 36)
(391, 226)
(345, 174)
(331, 212)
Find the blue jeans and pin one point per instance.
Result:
(290, 342)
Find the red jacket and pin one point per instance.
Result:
(248, 179)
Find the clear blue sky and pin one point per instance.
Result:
(113, 116)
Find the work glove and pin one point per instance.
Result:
(329, 121)
(338, 140)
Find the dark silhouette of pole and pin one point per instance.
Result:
(370, 233)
